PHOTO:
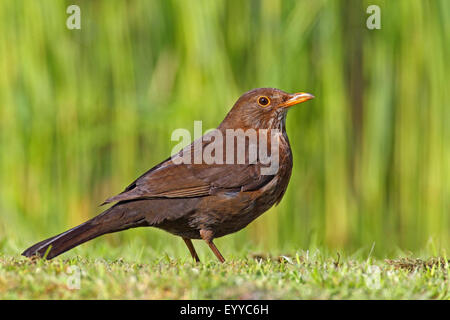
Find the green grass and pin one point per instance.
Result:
(84, 112)
(303, 275)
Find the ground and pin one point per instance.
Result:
(303, 275)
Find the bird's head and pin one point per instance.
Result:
(262, 108)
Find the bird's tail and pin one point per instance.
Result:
(114, 219)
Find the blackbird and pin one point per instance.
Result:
(201, 200)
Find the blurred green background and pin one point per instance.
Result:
(84, 112)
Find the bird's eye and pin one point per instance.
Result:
(263, 101)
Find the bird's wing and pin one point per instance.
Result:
(170, 180)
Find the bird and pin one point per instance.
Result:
(202, 200)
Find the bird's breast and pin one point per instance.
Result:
(230, 211)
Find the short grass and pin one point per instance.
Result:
(303, 275)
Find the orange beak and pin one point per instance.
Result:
(297, 98)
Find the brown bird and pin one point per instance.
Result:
(206, 199)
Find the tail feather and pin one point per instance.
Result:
(114, 219)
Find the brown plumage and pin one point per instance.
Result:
(200, 201)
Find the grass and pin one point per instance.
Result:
(303, 275)
(84, 112)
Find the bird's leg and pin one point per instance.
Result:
(208, 237)
(191, 249)
(216, 251)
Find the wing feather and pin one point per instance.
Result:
(170, 180)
